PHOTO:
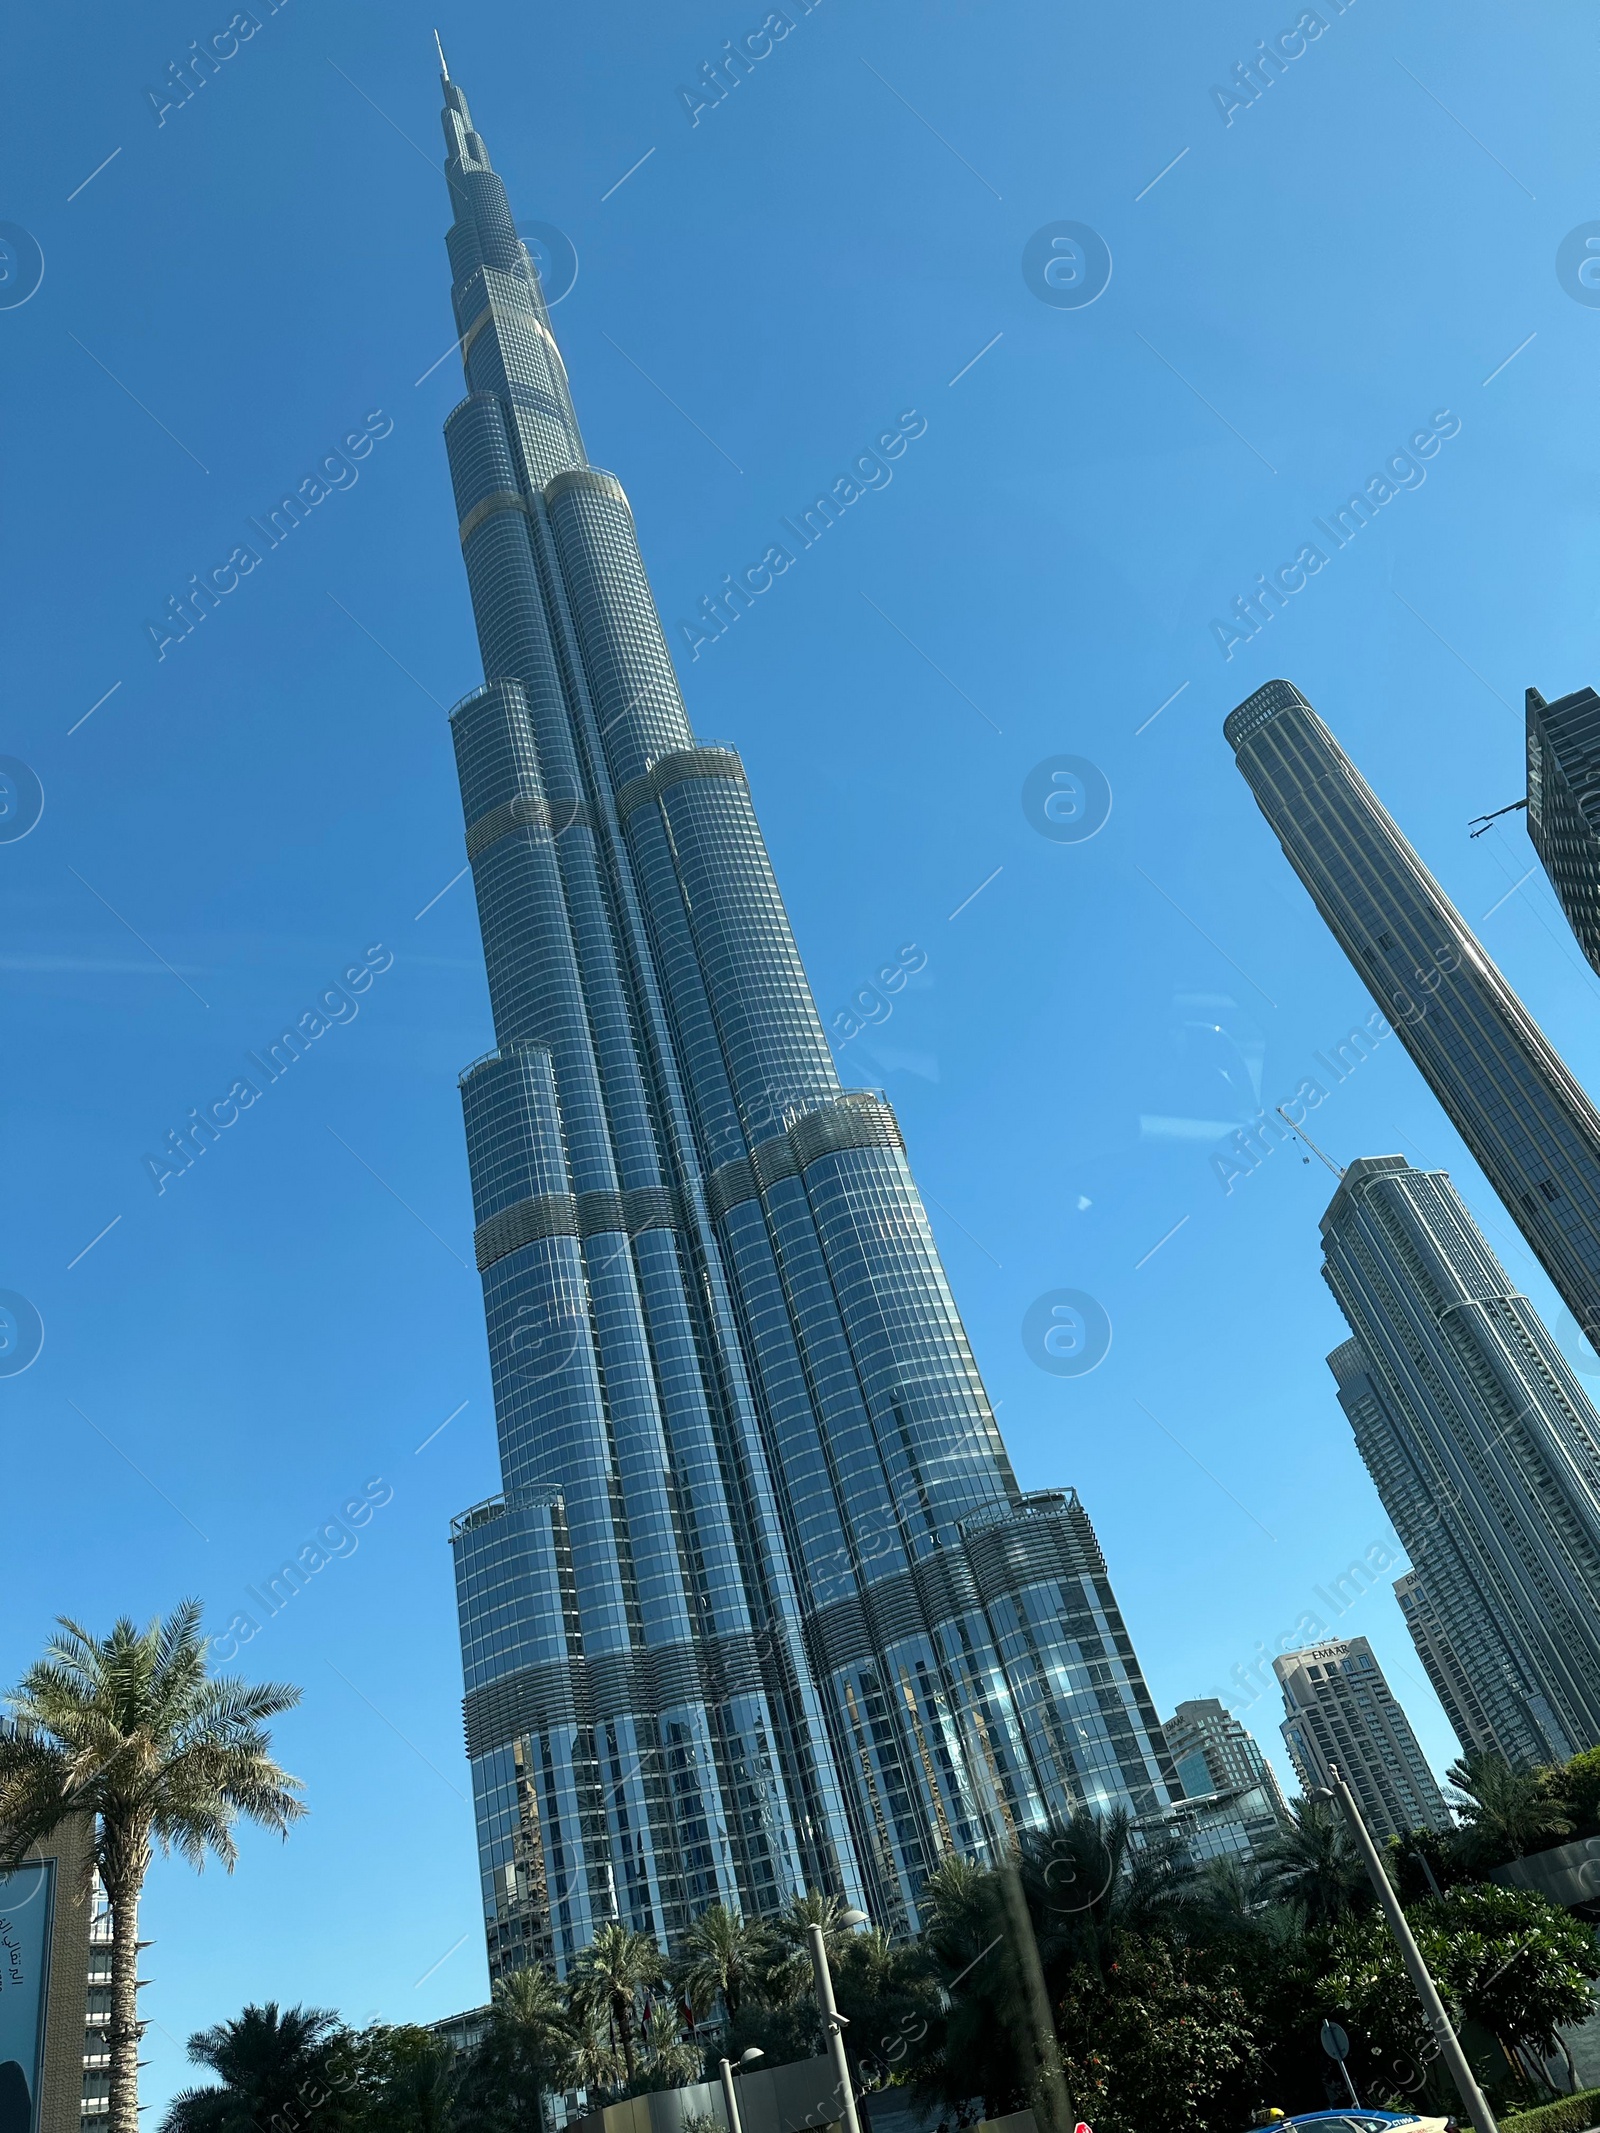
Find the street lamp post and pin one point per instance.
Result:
(729, 2100)
(1472, 2097)
(833, 2023)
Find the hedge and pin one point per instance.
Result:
(1568, 2114)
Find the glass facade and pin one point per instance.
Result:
(1484, 1448)
(1532, 1130)
(1212, 1751)
(761, 1606)
(1564, 806)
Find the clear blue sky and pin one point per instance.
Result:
(246, 283)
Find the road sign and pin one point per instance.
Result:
(1335, 2042)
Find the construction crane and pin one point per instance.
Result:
(1301, 1133)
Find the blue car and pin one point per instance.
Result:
(1353, 2121)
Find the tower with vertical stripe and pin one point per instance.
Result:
(761, 1607)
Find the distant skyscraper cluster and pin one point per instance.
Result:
(1483, 1445)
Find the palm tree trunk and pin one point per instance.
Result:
(625, 2030)
(122, 1890)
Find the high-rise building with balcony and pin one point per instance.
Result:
(1564, 806)
(1212, 1751)
(761, 1606)
(1483, 1446)
(1341, 1712)
(1454, 1668)
(1532, 1130)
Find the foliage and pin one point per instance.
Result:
(610, 1982)
(417, 2087)
(1425, 1862)
(888, 1994)
(1182, 2000)
(294, 2066)
(1502, 1958)
(1578, 1789)
(1314, 1865)
(1506, 1813)
(724, 1960)
(1151, 2047)
(530, 2042)
(131, 1730)
(1568, 2114)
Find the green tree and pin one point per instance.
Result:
(416, 2087)
(1150, 2047)
(972, 2050)
(1314, 1865)
(527, 2052)
(724, 1958)
(609, 1983)
(667, 2059)
(1503, 1958)
(290, 2068)
(1426, 1862)
(1575, 1786)
(1507, 1813)
(887, 1992)
(130, 1729)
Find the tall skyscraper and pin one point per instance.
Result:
(1532, 1130)
(1342, 1711)
(761, 1607)
(1213, 1752)
(1482, 1444)
(1564, 806)
(1454, 1668)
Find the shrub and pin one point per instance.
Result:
(1569, 2114)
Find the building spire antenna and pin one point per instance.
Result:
(444, 64)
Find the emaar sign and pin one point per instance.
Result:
(27, 1898)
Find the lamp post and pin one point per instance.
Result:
(1472, 2097)
(730, 2102)
(833, 2023)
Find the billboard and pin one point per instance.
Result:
(27, 1899)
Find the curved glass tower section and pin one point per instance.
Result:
(761, 1607)
(1508, 1093)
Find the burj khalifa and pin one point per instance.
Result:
(761, 1607)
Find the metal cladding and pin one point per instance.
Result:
(762, 1607)
(1485, 1450)
(1533, 1131)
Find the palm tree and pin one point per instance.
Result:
(726, 1958)
(131, 1730)
(422, 2090)
(787, 1974)
(529, 2049)
(1507, 1812)
(608, 1980)
(1314, 1863)
(269, 2062)
(670, 2060)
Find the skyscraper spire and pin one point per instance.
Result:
(761, 1607)
(444, 64)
